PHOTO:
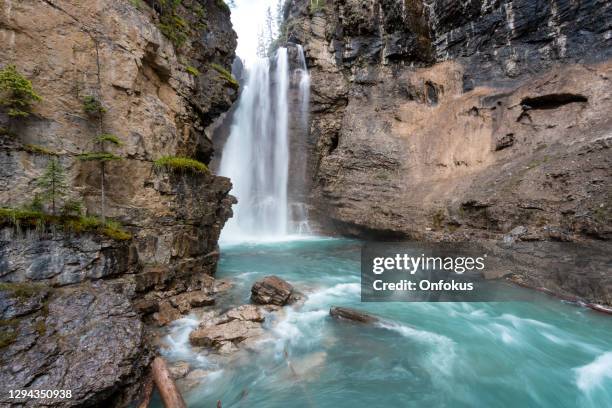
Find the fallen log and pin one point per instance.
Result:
(147, 393)
(169, 393)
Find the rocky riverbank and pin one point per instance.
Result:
(126, 90)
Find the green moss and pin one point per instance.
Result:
(175, 163)
(22, 290)
(92, 106)
(7, 337)
(107, 137)
(139, 4)
(225, 74)
(41, 150)
(223, 6)
(16, 92)
(98, 156)
(79, 224)
(41, 327)
(316, 6)
(438, 218)
(192, 70)
(171, 24)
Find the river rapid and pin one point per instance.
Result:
(541, 353)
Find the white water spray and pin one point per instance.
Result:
(256, 156)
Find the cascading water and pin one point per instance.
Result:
(304, 85)
(299, 210)
(256, 156)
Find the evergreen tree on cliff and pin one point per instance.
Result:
(53, 183)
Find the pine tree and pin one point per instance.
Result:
(261, 45)
(53, 183)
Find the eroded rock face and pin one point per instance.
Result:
(459, 120)
(271, 290)
(84, 338)
(153, 105)
(86, 335)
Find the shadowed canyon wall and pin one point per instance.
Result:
(159, 73)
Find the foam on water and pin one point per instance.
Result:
(595, 374)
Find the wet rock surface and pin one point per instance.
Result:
(86, 339)
(271, 290)
(226, 332)
(346, 313)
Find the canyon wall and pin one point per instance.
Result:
(461, 120)
(159, 70)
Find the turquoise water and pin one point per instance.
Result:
(542, 353)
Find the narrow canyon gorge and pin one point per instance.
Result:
(478, 121)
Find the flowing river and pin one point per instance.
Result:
(542, 353)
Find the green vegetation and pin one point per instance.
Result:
(72, 208)
(192, 70)
(316, 6)
(181, 164)
(171, 24)
(78, 224)
(110, 138)
(98, 156)
(41, 150)
(8, 331)
(22, 290)
(53, 183)
(438, 219)
(139, 4)
(225, 74)
(16, 92)
(223, 5)
(92, 106)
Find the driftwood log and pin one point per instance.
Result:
(147, 392)
(169, 393)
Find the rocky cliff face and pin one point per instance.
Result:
(460, 120)
(159, 73)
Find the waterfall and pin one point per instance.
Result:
(299, 211)
(256, 156)
(304, 85)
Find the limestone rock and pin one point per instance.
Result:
(234, 331)
(245, 313)
(271, 290)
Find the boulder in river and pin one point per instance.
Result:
(355, 315)
(272, 290)
(246, 313)
(235, 331)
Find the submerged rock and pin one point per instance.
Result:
(352, 314)
(272, 290)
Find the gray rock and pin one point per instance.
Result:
(86, 339)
